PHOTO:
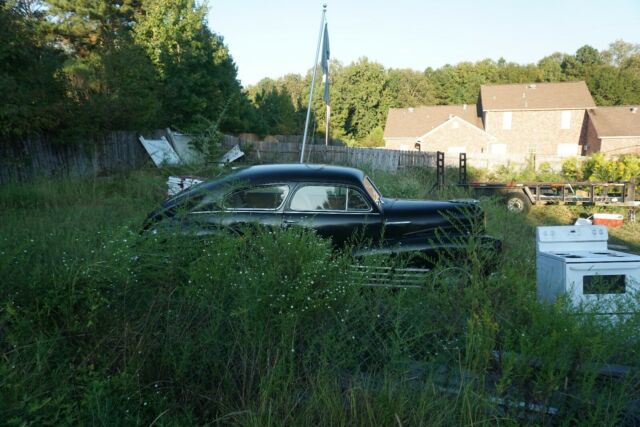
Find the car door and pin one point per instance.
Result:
(255, 205)
(340, 212)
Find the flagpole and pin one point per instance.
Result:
(313, 83)
(326, 132)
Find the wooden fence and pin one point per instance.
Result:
(42, 156)
(389, 160)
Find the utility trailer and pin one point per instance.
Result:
(519, 197)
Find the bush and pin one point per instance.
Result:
(598, 168)
(374, 139)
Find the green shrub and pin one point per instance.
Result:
(599, 168)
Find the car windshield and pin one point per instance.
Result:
(372, 189)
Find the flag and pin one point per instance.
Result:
(324, 62)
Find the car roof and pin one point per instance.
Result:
(275, 173)
(296, 172)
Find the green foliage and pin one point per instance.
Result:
(571, 170)
(197, 74)
(359, 103)
(32, 89)
(276, 111)
(374, 139)
(208, 139)
(118, 65)
(599, 168)
(115, 89)
(409, 88)
(101, 326)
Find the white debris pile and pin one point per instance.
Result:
(176, 184)
(177, 150)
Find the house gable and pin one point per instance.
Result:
(452, 136)
(415, 122)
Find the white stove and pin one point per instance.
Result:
(575, 261)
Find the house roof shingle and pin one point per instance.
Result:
(415, 122)
(616, 121)
(536, 96)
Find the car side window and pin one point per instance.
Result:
(205, 204)
(328, 198)
(356, 202)
(269, 197)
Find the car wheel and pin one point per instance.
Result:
(518, 203)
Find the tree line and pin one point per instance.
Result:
(363, 91)
(73, 67)
(86, 66)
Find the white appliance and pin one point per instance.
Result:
(575, 261)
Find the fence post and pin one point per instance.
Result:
(462, 169)
(439, 170)
(632, 199)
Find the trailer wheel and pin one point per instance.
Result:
(518, 203)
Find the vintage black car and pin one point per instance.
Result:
(339, 203)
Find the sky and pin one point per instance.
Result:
(278, 37)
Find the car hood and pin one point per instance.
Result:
(427, 218)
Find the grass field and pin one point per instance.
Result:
(100, 327)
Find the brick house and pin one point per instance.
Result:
(514, 119)
(449, 128)
(537, 118)
(613, 130)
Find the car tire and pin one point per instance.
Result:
(518, 203)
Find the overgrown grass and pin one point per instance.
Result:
(99, 326)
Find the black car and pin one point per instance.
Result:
(337, 202)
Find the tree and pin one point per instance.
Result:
(197, 74)
(550, 68)
(33, 94)
(580, 65)
(112, 82)
(359, 100)
(275, 108)
(619, 52)
(409, 88)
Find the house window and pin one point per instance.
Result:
(533, 149)
(565, 120)
(506, 120)
(568, 150)
(499, 149)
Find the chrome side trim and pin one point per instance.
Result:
(320, 213)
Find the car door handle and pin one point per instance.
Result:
(291, 221)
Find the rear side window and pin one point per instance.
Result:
(320, 198)
(263, 197)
